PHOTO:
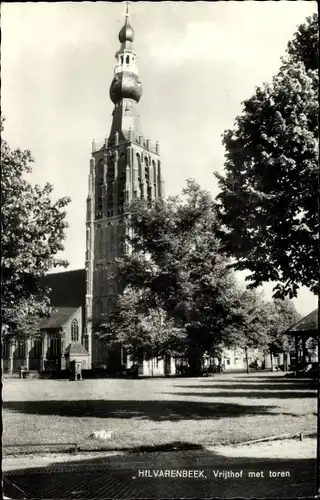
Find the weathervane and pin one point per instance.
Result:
(127, 9)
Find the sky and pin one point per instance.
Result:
(197, 62)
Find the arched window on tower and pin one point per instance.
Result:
(99, 241)
(139, 178)
(147, 177)
(146, 169)
(139, 166)
(74, 331)
(127, 60)
(154, 171)
(121, 59)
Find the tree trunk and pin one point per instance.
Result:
(247, 360)
(194, 359)
(271, 360)
(285, 361)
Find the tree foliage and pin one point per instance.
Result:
(252, 329)
(176, 267)
(32, 234)
(283, 315)
(144, 332)
(269, 192)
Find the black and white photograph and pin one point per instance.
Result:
(160, 250)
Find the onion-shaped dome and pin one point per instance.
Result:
(125, 85)
(126, 34)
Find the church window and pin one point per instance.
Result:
(127, 60)
(37, 347)
(139, 166)
(154, 168)
(54, 346)
(121, 59)
(74, 331)
(21, 349)
(146, 170)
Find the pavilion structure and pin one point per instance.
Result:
(306, 339)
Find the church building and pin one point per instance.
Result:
(123, 167)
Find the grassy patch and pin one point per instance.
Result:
(151, 413)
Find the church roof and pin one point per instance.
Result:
(307, 324)
(68, 289)
(58, 318)
(76, 348)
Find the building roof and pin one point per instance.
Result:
(58, 318)
(68, 289)
(308, 324)
(76, 348)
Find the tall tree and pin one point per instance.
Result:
(269, 193)
(252, 327)
(283, 315)
(144, 332)
(176, 263)
(261, 324)
(32, 228)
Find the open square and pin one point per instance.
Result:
(157, 412)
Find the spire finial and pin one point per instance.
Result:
(127, 9)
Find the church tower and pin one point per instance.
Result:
(124, 167)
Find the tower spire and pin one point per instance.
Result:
(126, 89)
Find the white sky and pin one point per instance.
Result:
(197, 61)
